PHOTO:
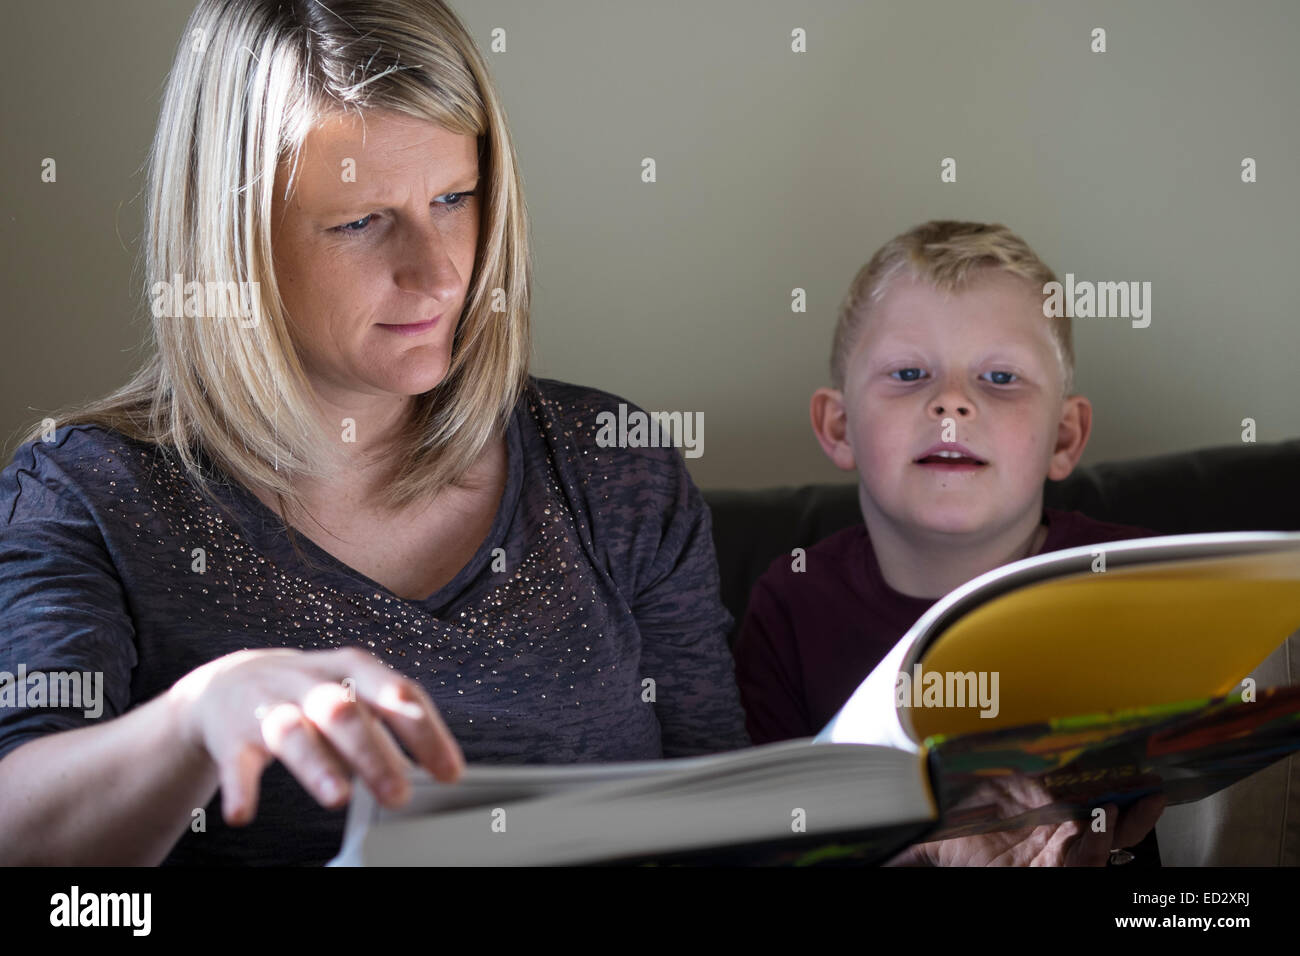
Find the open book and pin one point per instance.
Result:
(1035, 693)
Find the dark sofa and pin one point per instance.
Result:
(1244, 487)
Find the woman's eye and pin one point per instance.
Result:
(1005, 380)
(906, 374)
(463, 200)
(356, 226)
(454, 203)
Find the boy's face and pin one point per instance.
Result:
(980, 362)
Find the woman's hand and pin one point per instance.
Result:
(248, 708)
(1070, 843)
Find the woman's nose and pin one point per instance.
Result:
(424, 265)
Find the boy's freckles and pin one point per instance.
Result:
(974, 373)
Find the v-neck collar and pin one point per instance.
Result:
(265, 531)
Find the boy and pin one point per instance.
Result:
(952, 399)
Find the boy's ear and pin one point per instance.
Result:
(1071, 437)
(831, 425)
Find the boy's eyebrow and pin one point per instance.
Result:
(1018, 353)
(902, 351)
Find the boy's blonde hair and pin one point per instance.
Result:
(947, 255)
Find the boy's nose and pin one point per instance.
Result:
(939, 409)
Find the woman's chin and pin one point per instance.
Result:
(416, 380)
(416, 389)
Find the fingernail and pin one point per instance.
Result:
(331, 789)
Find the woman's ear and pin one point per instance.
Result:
(831, 426)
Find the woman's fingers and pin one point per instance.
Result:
(240, 772)
(1136, 822)
(326, 715)
(360, 739)
(1092, 848)
(405, 707)
(291, 736)
(1122, 829)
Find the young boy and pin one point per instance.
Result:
(952, 399)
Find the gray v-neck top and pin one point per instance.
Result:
(113, 562)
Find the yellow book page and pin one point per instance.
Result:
(1126, 637)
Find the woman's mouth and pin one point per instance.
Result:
(415, 328)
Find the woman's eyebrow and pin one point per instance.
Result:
(340, 199)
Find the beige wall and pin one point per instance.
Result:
(776, 170)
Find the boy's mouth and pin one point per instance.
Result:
(949, 456)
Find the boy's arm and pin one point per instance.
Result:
(768, 670)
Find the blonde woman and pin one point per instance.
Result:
(333, 513)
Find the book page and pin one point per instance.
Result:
(1121, 638)
(1167, 625)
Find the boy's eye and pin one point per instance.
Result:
(906, 374)
(1005, 380)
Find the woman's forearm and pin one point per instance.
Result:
(122, 792)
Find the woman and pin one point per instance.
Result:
(334, 495)
(451, 529)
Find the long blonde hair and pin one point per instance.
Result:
(250, 79)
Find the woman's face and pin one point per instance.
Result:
(379, 235)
